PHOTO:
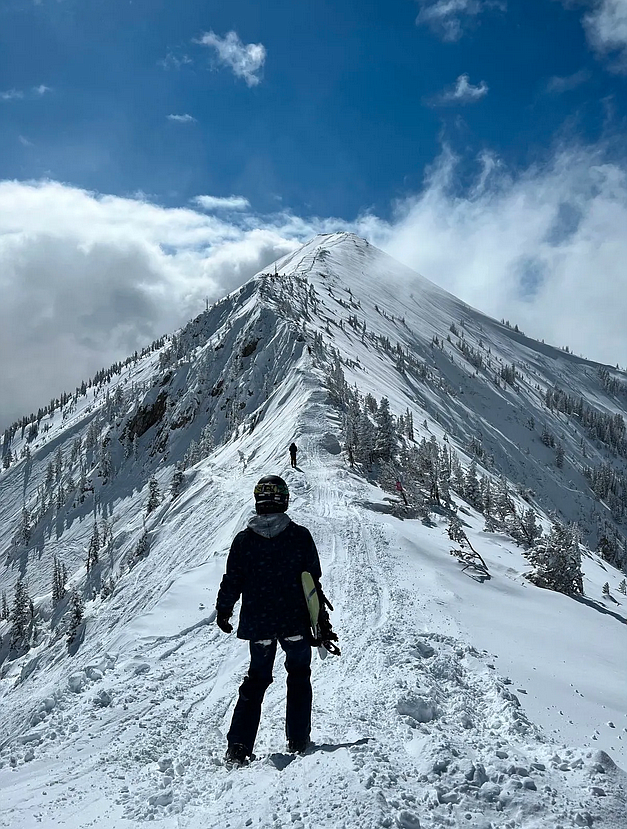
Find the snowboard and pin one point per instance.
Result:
(313, 606)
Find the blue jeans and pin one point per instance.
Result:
(247, 712)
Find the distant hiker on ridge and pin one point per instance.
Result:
(264, 567)
(293, 451)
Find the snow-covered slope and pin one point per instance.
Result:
(456, 702)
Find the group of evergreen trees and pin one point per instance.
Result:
(609, 429)
(426, 473)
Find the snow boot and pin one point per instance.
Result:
(298, 746)
(236, 755)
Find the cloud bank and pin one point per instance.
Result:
(86, 279)
(606, 27)
(245, 60)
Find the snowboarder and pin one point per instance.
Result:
(264, 567)
(293, 451)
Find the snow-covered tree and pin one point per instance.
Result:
(94, 547)
(622, 587)
(606, 589)
(20, 617)
(557, 561)
(503, 503)
(4, 608)
(59, 578)
(177, 483)
(192, 455)
(525, 529)
(58, 465)
(154, 496)
(106, 462)
(472, 487)
(385, 436)
(559, 455)
(364, 449)
(141, 550)
(207, 443)
(75, 616)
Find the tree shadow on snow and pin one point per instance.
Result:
(599, 607)
(281, 760)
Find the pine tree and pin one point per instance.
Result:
(385, 437)
(58, 465)
(177, 483)
(622, 587)
(557, 561)
(457, 473)
(606, 589)
(559, 456)
(207, 443)
(58, 580)
(75, 617)
(4, 608)
(142, 549)
(192, 455)
(154, 496)
(365, 439)
(472, 488)
(503, 502)
(525, 529)
(106, 462)
(94, 547)
(20, 617)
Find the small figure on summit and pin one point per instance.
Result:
(293, 451)
(265, 567)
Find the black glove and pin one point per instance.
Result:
(327, 635)
(223, 623)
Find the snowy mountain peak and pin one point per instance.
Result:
(441, 454)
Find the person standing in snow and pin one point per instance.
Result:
(293, 451)
(264, 568)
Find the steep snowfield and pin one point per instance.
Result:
(455, 702)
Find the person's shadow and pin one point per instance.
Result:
(282, 761)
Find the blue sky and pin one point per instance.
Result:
(348, 109)
(154, 154)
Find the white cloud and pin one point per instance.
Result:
(18, 94)
(182, 119)
(222, 203)
(11, 95)
(558, 84)
(24, 141)
(463, 92)
(447, 17)
(606, 26)
(86, 279)
(544, 248)
(246, 60)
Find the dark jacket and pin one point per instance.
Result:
(264, 568)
